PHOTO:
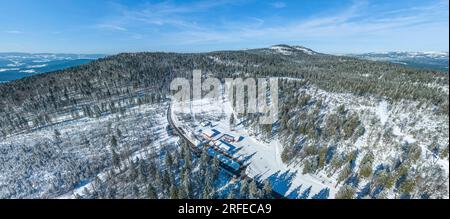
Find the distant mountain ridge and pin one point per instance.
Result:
(52, 55)
(425, 60)
(16, 65)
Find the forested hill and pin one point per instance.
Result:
(114, 82)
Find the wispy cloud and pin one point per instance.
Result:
(110, 27)
(137, 36)
(355, 21)
(205, 25)
(279, 5)
(13, 32)
(183, 24)
(166, 13)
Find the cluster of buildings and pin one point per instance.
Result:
(222, 145)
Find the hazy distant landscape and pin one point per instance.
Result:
(18, 65)
(424, 60)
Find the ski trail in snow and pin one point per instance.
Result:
(277, 154)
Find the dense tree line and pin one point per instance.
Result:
(29, 102)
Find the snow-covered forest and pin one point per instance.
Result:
(347, 128)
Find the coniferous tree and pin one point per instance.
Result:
(253, 190)
(344, 174)
(215, 168)
(113, 142)
(232, 122)
(151, 192)
(244, 191)
(116, 159)
(345, 192)
(187, 185)
(168, 160)
(173, 192)
(267, 189)
(207, 191)
(119, 133)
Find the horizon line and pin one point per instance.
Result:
(221, 50)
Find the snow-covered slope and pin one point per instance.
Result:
(405, 139)
(292, 50)
(42, 163)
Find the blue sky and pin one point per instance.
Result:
(338, 26)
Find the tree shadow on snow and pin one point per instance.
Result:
(281, 182)
(294, 194)
(247, 158)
